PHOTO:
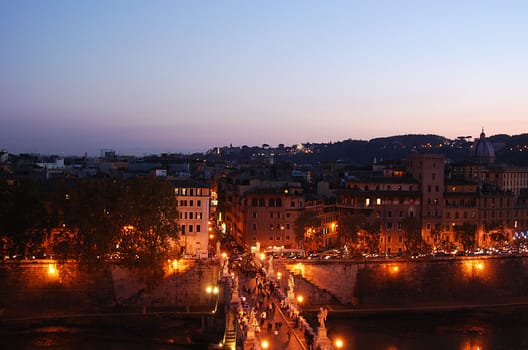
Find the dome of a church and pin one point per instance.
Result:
(482, 151)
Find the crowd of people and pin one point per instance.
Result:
(259, 298)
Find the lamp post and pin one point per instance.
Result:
(212, 291)
(300, 300)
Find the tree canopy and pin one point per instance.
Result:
(90, 220)
(466, 235)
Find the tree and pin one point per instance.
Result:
(136, 219)
(305, 221)
(496, 232)
(359, 233)
(149, 222)
(89, 219)
(465, 234)
(22, 217)
(348, 228)
(414, 243)
(371, 233)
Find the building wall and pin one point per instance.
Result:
(193, 209)
(428, 170)
(269, 218)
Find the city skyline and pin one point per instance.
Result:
(151, 77)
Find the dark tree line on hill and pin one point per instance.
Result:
(508, 149)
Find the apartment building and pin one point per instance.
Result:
(193, 200)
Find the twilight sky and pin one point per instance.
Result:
(182, 76)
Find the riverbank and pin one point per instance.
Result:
(348, 311)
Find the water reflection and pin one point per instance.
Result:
(92, 333)
(459, 331)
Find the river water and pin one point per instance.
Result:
(483, 330)
(504, 329)
(116, 333)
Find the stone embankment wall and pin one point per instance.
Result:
(45, 288)
(184, 286)
(402, 282)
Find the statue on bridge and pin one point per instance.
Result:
(323, 342)
(271, 271)
(225, 271)
(218, 253)
(321, 316)
(291, 287)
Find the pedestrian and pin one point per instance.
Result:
(270, 325)
(262, 318)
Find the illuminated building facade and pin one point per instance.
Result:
(193, 209)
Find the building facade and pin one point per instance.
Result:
(193, 200)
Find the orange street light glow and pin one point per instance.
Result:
(52, 270)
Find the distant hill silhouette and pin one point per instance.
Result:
(507, 148)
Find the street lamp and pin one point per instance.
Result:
(339, 343)
(265, 344)
(300, 300)
(52, 270)
(212, 291)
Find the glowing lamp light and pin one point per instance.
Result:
(300, 299)
(339, 343)
(52, 270)
(265, 344)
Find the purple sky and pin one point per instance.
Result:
(183, 76)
